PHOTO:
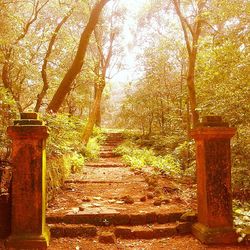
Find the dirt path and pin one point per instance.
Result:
(108, 206)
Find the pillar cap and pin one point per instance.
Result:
(28, 119)
(212, 121)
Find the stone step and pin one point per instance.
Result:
(153, 231)
(112, 217)
(105, 165)
(108, 154)
(112, 142)
(150, 231)
(72, 230)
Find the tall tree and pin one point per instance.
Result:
(75, 68)
(106, 49)
(191, 29)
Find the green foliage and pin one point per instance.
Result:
(241, 159)
(65, 151)
(65, 134)
(92, 149)
(241, 213)
(139, 158)
(76, 162)
(8, 113)
(185, 153)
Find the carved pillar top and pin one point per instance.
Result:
(28, 127)
(212, 127)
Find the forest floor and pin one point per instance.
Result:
(107, 206)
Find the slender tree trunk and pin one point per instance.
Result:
(93, 115)
(191, 89)
(98, 112)
(191, 36)
(65, 85)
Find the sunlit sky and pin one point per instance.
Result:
(129, 74)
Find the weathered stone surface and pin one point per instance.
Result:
(122, 219)
(123, 232)
(107, 238)
(151, 217)
(143, 233)
(166, 218)
(5, 211)
(209, 235)
(62, 230)
(138, 219)
(164, 231)
(184, 227)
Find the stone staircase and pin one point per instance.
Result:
(101, 208)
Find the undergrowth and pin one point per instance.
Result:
(140, 157)
(66, 153)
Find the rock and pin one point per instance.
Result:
(128, 199)
(157, 202)
(143, 198)
(165, 201)
(86, 199)
(150, 195)
(107, 238)
(81, 208)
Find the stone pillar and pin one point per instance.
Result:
(28, 227)
(213, 160)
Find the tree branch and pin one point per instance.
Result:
(43, 92)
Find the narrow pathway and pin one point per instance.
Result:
(108, 202)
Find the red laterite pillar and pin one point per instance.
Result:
(213, 160)
(28, 227)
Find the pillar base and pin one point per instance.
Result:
(221, 235)
(30, 241)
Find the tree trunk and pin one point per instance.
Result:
(98, 112)
(93, 115)
(65, 85)
(191, 89)
(45, 87)
(191, 36)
